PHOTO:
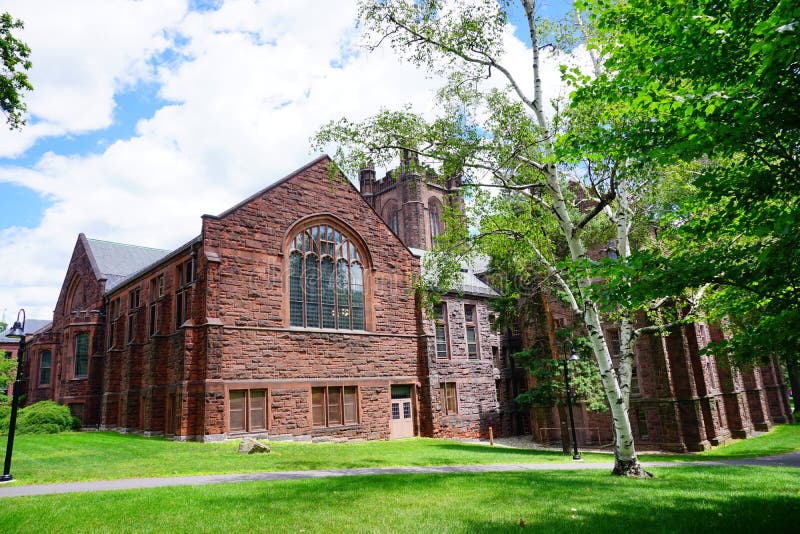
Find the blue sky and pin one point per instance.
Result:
(147, 114)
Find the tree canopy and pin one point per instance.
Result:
(13, 77)
(716, 85)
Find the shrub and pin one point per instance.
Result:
(5, 414)
(46, 417)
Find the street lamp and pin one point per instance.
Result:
(572, 357)
(17, 331)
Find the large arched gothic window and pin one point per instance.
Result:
(326, 280)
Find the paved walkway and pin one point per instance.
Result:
(783, 460)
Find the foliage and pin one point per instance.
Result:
(717, 85)
(548, 374)
(13, 78)
(45, 417)
(8, 368)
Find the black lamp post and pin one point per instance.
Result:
(571, 357)
(17, 331)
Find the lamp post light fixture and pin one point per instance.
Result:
(17, 331)
(571, 357)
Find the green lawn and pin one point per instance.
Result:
(106, 455)
(680, 499)
(782, 439)
(77, 456)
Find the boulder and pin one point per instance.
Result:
(252, 446)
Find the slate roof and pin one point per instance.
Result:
(31, 326)
(117, 261)
(469, 283)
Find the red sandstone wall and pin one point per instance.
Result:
(248, 295)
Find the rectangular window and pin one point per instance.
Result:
(318, 406)
(133, 299)
(441, 332)
(614, 344)
(45, 364)
(179, 296)
(449, 397)
(236, 408)
(153, 319)
(112, 326)
(634, 381)
(81, 355)
(161, 285)
(334, 405)
(116, 313)
(131, 327)
(185, 278)
(189, 270)
(247, 410)
(641, 417)
(350, 405)
(257, 416)
(472, 331)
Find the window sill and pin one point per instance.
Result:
(78, 378)
(327, 330)
(248, 433)
(345, 426)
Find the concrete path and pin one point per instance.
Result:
(783, 460)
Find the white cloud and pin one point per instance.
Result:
(247, 86)
(83, 53)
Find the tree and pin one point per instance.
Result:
(717, 84)
(13, 78)
(553, 200)
(8, 368)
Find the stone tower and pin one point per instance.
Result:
(411, 200)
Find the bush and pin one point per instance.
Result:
(46, 417)
(5, 413)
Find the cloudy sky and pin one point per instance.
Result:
(147, 114)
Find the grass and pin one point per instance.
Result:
(82, 456)
(782, 439)
(681, 499)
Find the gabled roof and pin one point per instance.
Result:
(31, 326)
(117, 261)
(468, 284)
(271, 186)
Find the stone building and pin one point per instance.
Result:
(292, 314)
(681, 400)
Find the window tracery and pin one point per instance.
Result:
(326, 280)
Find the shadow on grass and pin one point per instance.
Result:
(720, 499)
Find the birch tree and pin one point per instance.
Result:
(731, 102)
(504, 138)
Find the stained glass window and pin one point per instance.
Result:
(326, 280)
